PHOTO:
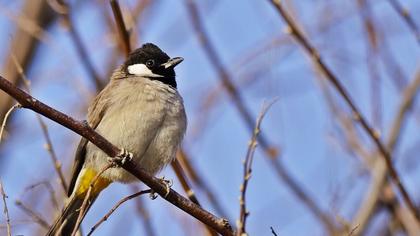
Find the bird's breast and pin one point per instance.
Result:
(147, 119)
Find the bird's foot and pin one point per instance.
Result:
(122, 157)
(168, 184)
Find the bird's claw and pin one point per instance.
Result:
(168, 184)
(122, 157)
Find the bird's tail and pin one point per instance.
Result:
(66, 222)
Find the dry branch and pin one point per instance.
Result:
(114, 208)
(24, 44)
(49, 147)
(222, 226)
(316, 58)
(406, 17)
(6, 117)
(124, 35)
(243, 214)
(36, 217)
(379, 169)
(5, 209)
(245, 114)
(144, 214)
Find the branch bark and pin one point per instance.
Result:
(220, 225)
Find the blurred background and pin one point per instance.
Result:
(315, 171)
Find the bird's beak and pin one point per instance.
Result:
(172, 62)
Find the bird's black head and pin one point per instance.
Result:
(151, 62)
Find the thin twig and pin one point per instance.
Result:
(86, 201)
(49, 146)
(36, 217)
(271, 152)
(272, 231)
(124, 35)
(35, 15)
(50, 189)
(144, 214)
(176, 166)
(405, 15)
(316, 58)
(243, 214)
(5, 209)
(6, 116)
(114, 208)
(221, 225)
(371, 198)
(372, 51)
(63, 8)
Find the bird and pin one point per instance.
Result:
(141, 111)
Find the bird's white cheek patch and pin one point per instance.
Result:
(140, 70)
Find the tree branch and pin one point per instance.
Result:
(316, 58)
(220, 225)
(114, 208)
(5, 210)
(243, 214)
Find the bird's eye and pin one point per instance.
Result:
(150, 63)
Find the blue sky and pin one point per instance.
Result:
(300, 124)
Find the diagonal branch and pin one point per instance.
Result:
(114, 208)
(5, 210)
(220, 225)
(405, 15)
(371, 199)
(63, 8)
(33, 214)
(124, 35)
(315, 57)
(49, 147)
(270, 152)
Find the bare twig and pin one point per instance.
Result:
(36, 217)
(50, 189)
(6, 116)
(271, 153)
(379, 169)
(184, 182)
(124, 35)
(315, 56)
(221, 225)
(5, 209)
(144, 214)
(405, 15)
(114, 208)
(40, 14)
(243, 214)
(49, 147)
(87, 201)
(63, 8)
(372, 44)
(272, 231)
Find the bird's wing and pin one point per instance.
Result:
(95, 114)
